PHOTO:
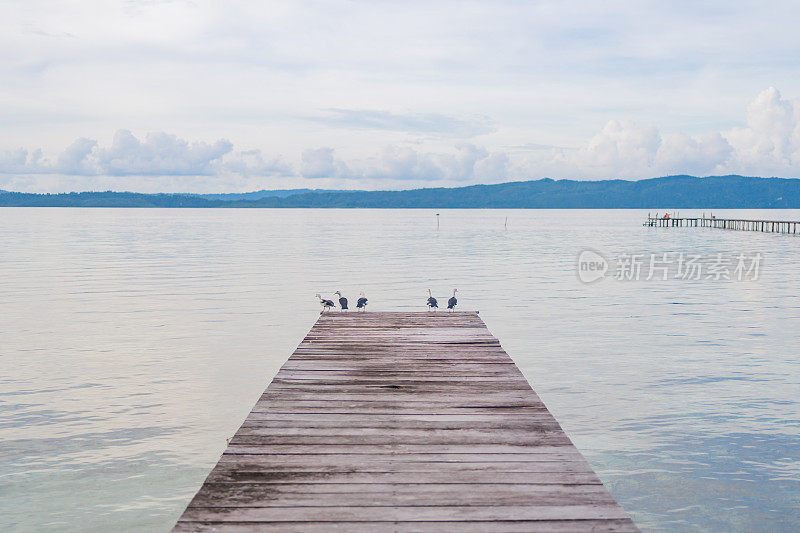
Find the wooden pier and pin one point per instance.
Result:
(767, 226)
(401, 422)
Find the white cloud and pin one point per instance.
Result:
(406, 164)
(401, 163)
(159, 154)
(320, 163)
(493, 165)
(383, 73)
(423, 123)
(681, 154)
(390, 88)
(771, 142)
(76, 158)
(17, 161)
(768, 145)
(625, 149)
(254, 163)
(621, 147)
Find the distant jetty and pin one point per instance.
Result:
(741, 224)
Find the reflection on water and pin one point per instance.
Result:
(135, 341)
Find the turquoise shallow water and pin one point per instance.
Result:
(133, 342)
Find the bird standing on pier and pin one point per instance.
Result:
(342, 301)
(326, 304)
(432, 303)
(362, 302)
(452, 302)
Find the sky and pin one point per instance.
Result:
(213, 96)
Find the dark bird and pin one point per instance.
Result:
(342, 301)
(362, 302)
(452, 302)
(326, 304)
(432, 303)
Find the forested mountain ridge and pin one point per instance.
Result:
(667, 192)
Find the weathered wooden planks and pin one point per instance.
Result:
(401, 422)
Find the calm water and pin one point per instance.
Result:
(134, 342)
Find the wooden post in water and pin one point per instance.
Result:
(401, 422)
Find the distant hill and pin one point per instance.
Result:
(255, 195)
(716, 192)
(105, 199)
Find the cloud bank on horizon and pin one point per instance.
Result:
(769, 145)
(206, 97)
